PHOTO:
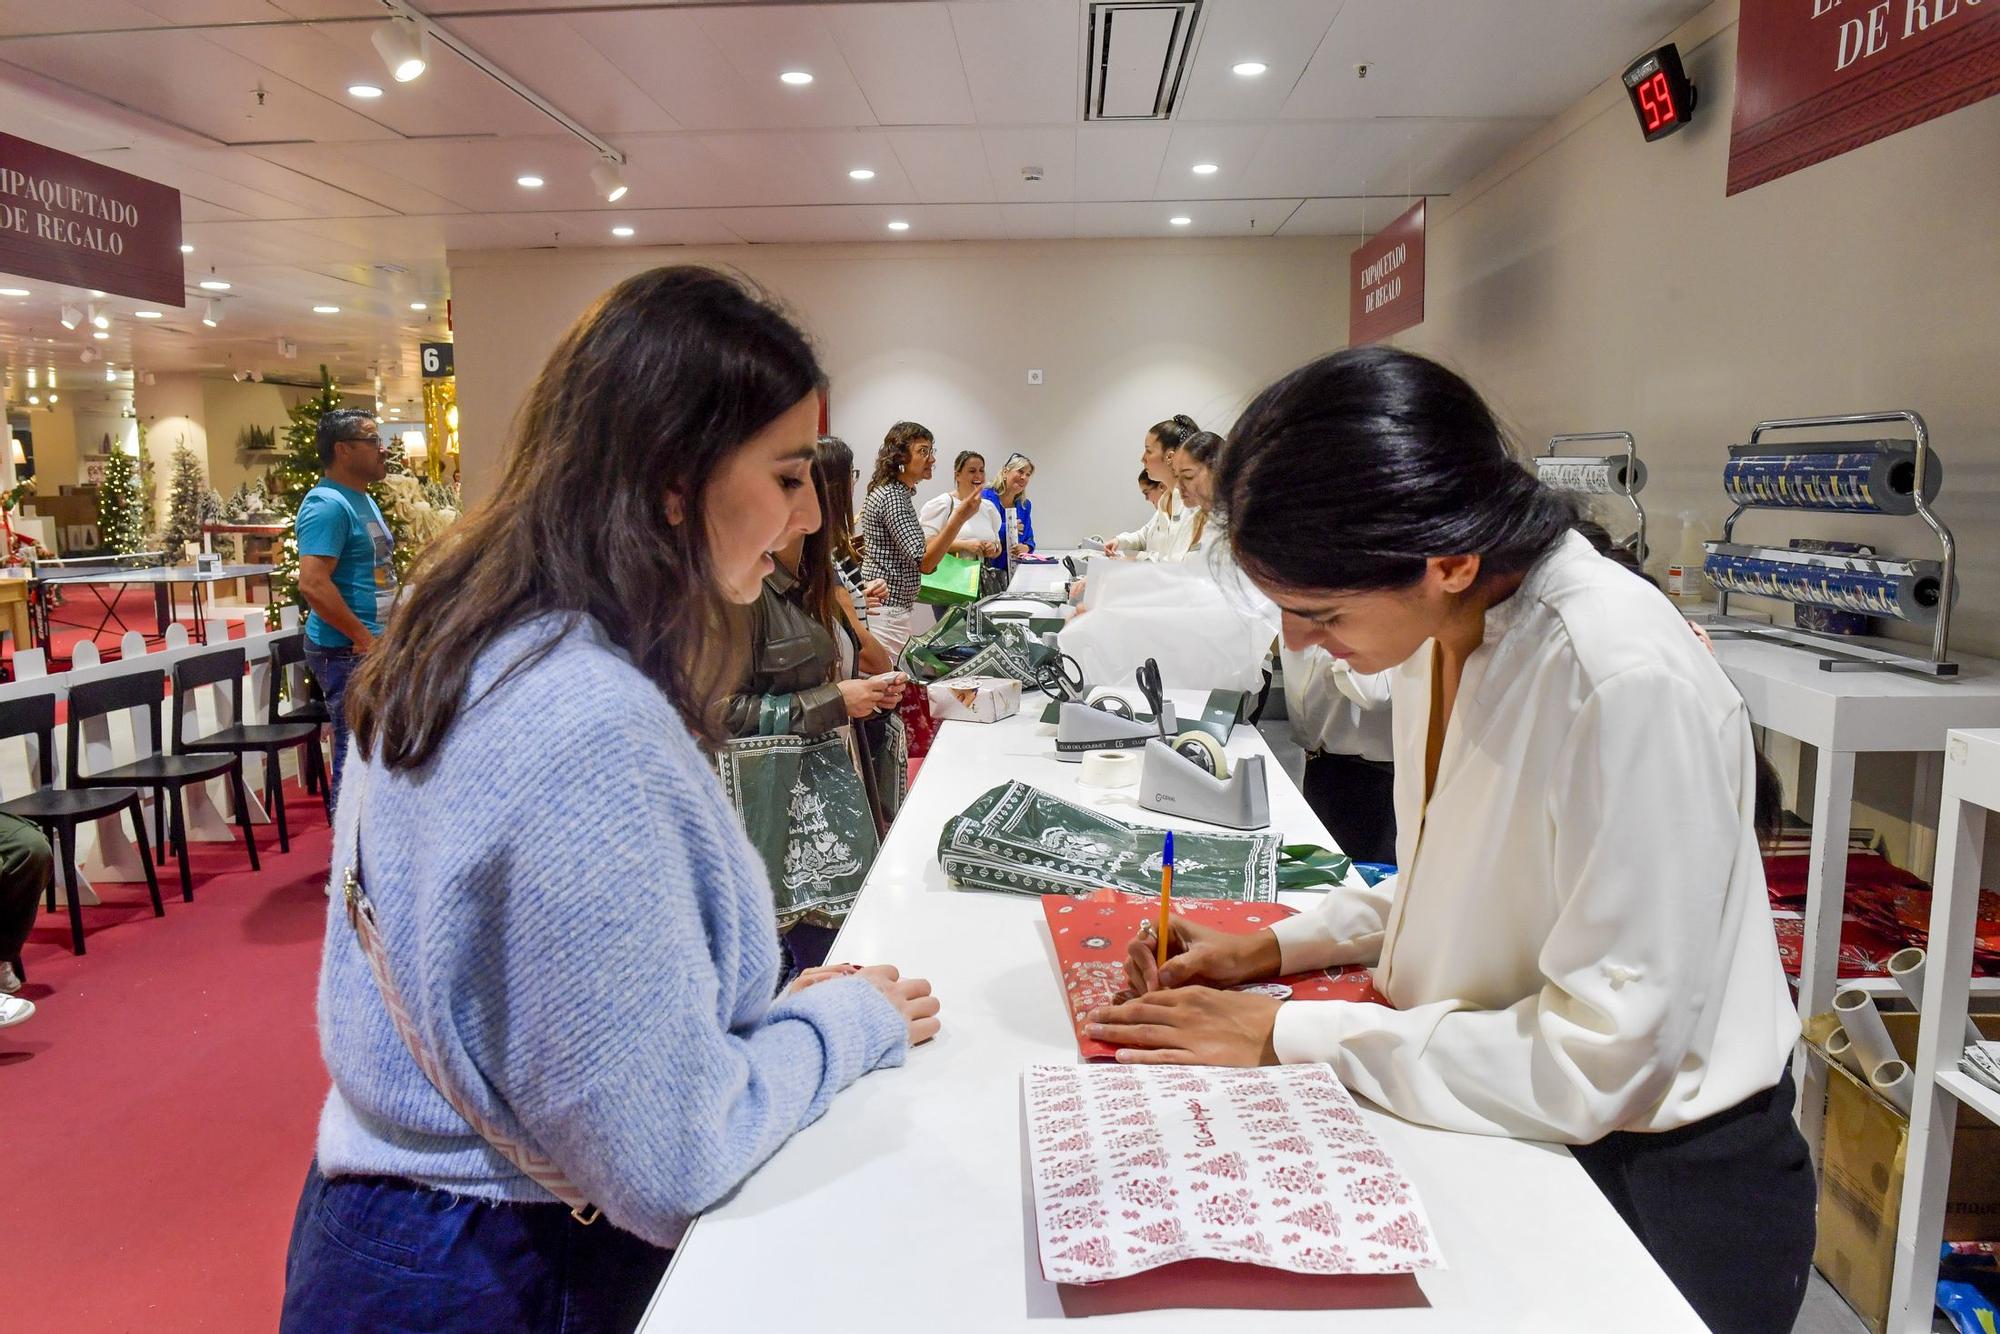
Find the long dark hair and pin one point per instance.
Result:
(833, 481)
(1204, 447)
(1351, 471)
(650, 391)
(1172, 432)
(894, 457)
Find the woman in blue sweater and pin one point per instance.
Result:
(578, 930)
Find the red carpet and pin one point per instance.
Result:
(157, 1113)
(81, 615)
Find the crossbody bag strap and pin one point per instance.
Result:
(532, 1162)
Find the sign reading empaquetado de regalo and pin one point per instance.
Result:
(68, 220)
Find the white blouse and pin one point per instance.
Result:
(1167, 535)
(1335, 710)
(983, 526)
(1579, 940)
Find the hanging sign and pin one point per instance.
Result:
(68, 220)
(1815, 78)
(435, 360)
(1385, 289)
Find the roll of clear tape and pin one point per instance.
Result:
(1841, 1048)
(1862, 1023)
(1582, 475)
(1109, 700)
(1204, 750)
(1110, 768)
(1907, 967)
(1892, 1080)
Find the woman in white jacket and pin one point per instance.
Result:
(1164, 535)
(1579, 945)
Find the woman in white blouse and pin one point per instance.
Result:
(1164, 535)
(979, 537)
(1579, 945)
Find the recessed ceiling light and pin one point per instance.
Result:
(861, 174)
(101, 335)
(1249, 69)
(1180, 222)
(146, 314)
(186, 249)
(798, 78)
(899, 226)
(13, 291)
(367, 92)
(418, 305)
(214, 285)
(621, 231)
(326, 310)
(1205, 169)
(528, 182)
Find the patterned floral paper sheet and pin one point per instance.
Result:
(1141, 1166)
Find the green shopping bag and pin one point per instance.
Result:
(803, 804)
(955, 581)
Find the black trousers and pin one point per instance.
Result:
(1724, 1205)
(1356, 800)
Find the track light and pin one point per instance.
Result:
(98, 319)
(211, 312)
(71, 317)
(609, 180)
(403, 44)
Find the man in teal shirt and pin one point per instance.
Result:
(346, 572)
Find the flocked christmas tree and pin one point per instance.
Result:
(297, 469)
(121, 521)
(187, 489)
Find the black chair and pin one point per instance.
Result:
(59, 811)
(225, 667)
(168, 775)
(286, 653)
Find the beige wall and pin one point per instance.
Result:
(229, 408)
(1126, 333)
(1592, 281)
(55, 449)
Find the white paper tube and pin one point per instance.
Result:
(1863, 1024)
(1907, 967)
(1841, 1048)
(1892, 1080)
(1109, 768)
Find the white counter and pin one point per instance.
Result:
(906, 1208)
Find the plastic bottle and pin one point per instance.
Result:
(1685, 581)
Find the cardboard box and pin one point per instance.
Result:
(1861, 1175)
(975, 699)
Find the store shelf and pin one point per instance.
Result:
(1972, 1093)
(1887, 986)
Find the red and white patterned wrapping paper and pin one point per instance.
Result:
(1141, 1166)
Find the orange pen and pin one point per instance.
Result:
(1166, 893)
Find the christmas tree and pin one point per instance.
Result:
(297, 469)
(120, 507)
(184, 502)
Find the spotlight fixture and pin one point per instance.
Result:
(899, 226)
(1205, 169)
(146, 314)
(861, 174)
(529, 182)
(98, 319)
(1181, 222)
(403, 45)
(186, 249)
(621, 231)
(326, 310)
(366, 92)
(213, 285)
(418, 305)
(34, 400)
(54, 399)
(797, 78)
(239, 376)
(102, 336)
(609, 179)
(211, 312)
(1249, 69)
(13, 291)
(71, 317)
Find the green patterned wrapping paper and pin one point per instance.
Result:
(806, 812)
(1018, 839)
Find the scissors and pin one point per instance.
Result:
(1155, 693)
(1059, 676)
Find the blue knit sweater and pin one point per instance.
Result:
(580, 928)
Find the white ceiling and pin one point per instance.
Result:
(299, 194)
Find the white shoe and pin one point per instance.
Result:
(10, 981)
(13, 1010)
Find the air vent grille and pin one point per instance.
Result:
(1137, 58)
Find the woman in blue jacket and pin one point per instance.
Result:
(1017, 513)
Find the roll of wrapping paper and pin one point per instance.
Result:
(1907, 967)
(1862, 1023)
(1906, 590)
(1581, 474)
(1864, 476)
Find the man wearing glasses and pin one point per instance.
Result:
(346, 574)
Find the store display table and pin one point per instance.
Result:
(907, 1207)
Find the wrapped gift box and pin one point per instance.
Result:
(975, 699)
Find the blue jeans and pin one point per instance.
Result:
(387, 1256)
(331, 667)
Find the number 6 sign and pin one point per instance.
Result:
(437, 363)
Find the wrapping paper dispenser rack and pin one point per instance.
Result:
(1614, 474)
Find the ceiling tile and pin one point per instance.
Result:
(1010, 152)
(548, 54)
(1038, 222)
(1281, 34)
(944, 166)
(928, 222)
(1358, 157)
(762, 42)
(1230, 148)
(1216, 217)
(1120, 161)
(905, 58)
(1023, 60)
(1342, 217)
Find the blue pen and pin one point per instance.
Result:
(1166, 893)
